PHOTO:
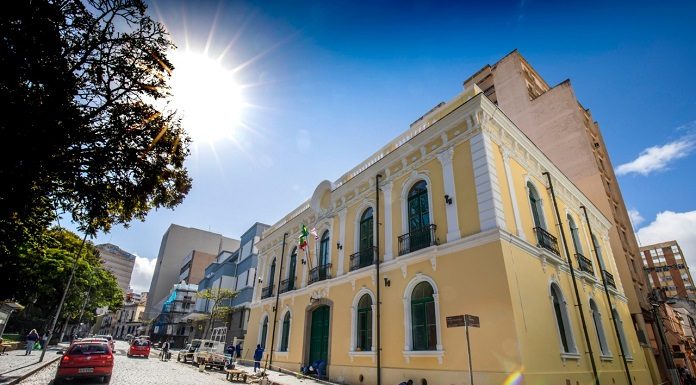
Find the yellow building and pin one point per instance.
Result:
(467, 225)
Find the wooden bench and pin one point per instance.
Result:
(235, 375)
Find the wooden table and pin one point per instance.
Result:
(235, 375)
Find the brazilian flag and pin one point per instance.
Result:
(302, 242)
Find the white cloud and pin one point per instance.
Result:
(142, 274)
(669, 226)
(303, 140)
(657, 158)
(636, 218)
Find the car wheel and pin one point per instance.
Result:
(106, 379)
(57, 381)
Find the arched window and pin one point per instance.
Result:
(366, 242)
(423, 320)
(622, 335)
(264, 332)
(364, 321)
(271, 275)
(599, 328)
(324, 249)
(537, 208)
(419, 234)
(291, 269)
(598, 251)
(575, 234)
(286, 333)
(562, 321)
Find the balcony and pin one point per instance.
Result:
(267, 291)
(609, 279)
(319, 273)
(417, 239)
(584, 263)
(362, 258)
(287, 285)
(546, 240)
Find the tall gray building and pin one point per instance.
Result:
(119, 262)
(177, 243)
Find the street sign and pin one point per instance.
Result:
(456, 321)
(472, 320)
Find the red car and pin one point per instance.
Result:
(86, 359)
(139, 347)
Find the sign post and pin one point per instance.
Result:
(465, 320)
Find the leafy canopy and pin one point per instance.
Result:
(85, 89)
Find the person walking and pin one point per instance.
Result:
(32, 339)
(258, 354)
(238, 348)
(165, 350)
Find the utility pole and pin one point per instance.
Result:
(62, 299)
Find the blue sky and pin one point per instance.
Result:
(327, 83)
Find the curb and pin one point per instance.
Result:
(24, 376)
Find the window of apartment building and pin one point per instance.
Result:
(537, 207)
(324, 249)
(598, 251)
(622, 335)
(423, 322)
(285, 336)
(264, 332)
(562, 321)
(271, 274)
(366, 231)
(599, 328)
(364, 323)
(675, 249)
(574, 233)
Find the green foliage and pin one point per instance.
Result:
(43, 272)
(216, 298)
(85, 85)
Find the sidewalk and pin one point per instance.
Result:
(15, 366)
(284, 378)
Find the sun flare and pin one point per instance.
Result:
(207, 95)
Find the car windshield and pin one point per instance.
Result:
(82, 349)
(141, 343)
(108, 338)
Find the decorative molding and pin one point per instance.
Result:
(488, 198)
(445, 157)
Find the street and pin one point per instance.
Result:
(139, 371)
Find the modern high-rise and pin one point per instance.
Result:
(565, 131)
(119, 262)
(177, 243)
(667, 269)
(193, 266)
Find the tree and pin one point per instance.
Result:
(86, 89)
(217, 298)
(42, 272)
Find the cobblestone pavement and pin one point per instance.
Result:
(152, 371)
(14, 364)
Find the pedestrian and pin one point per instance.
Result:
(258, 354)
(239, 349)
(165, 350)
(32, 338)
(230, 350)
(44, 339)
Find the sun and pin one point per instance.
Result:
(207, 96)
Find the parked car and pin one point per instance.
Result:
(108, 337)
(86, 359)
(186, 354)
(139, 347)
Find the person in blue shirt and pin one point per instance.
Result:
(258, 354)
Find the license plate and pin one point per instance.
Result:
(85, 370)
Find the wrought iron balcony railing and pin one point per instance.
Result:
(362, 258)
(546, 240)
(585, 264)
(319, 273)
(267, 291)
(609, 279)
(417, 239)
(287, 285)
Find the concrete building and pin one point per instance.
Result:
(235, 271)
(171, 324)
(119, 262)
(666, 268)
(461, 214)
(553, 118)
(193, 266)
(178, 243)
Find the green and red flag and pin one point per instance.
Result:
(302, 242)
